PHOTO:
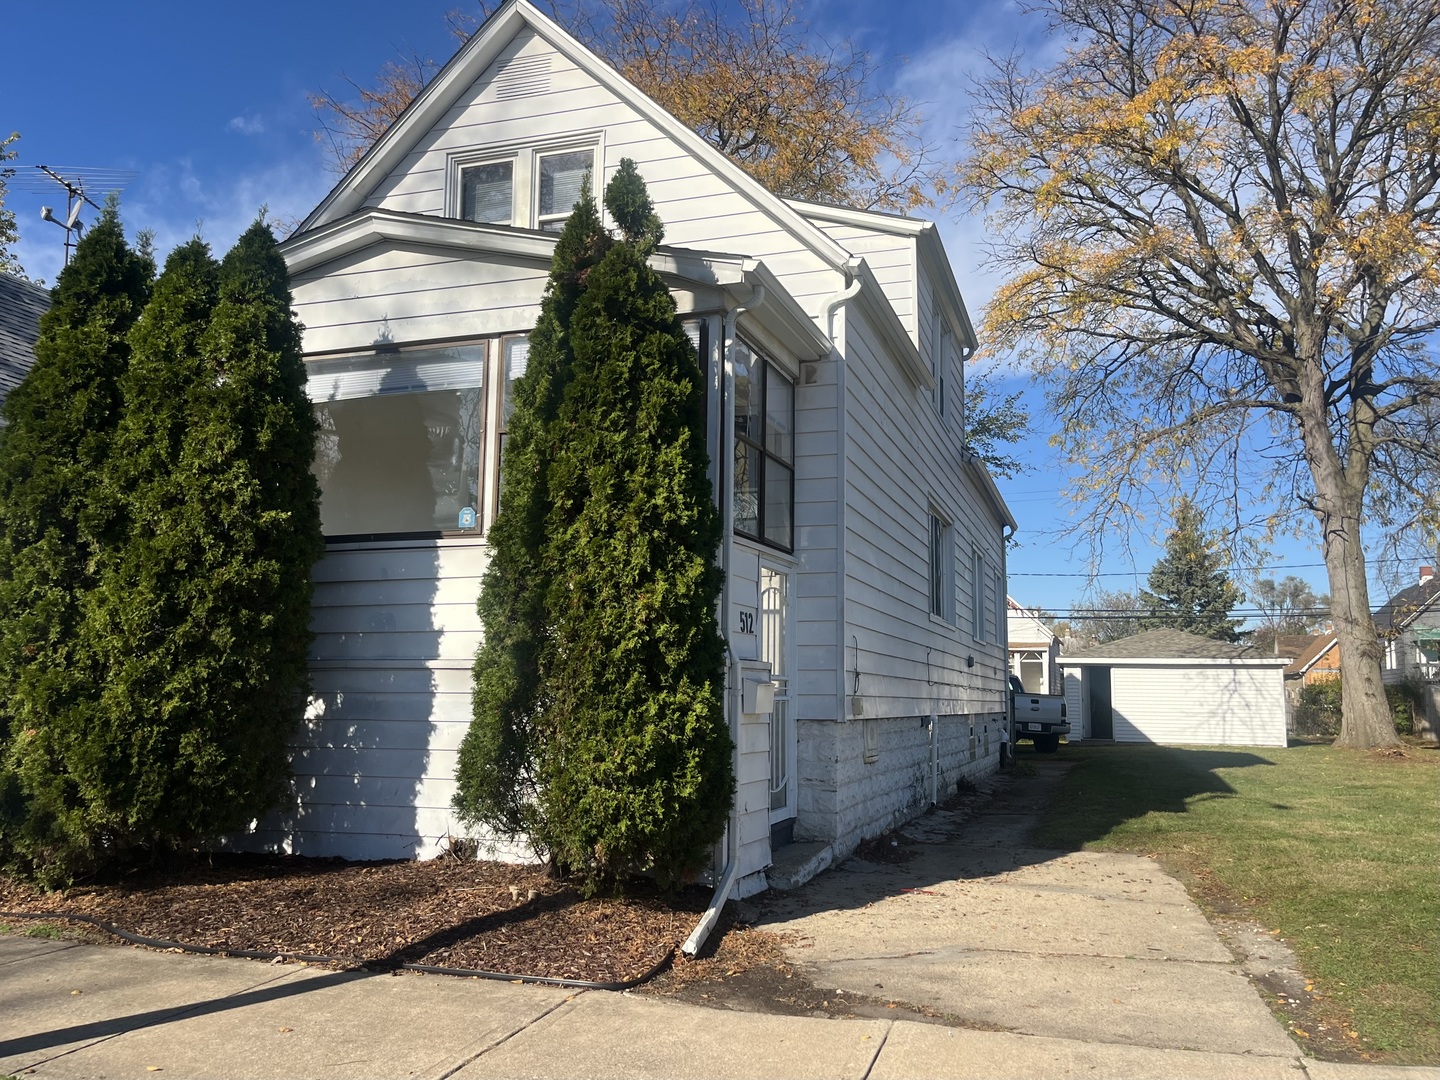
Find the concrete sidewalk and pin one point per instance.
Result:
(70, 1010)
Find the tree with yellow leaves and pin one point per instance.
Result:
(1219, 222)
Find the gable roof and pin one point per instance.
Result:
(476, 56)
(1307, 650)
(21, 305)
(1171, 645)
(1406, 606)
(1043, 636)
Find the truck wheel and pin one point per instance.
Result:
(1047, 744)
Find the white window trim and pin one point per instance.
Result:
(525, 176)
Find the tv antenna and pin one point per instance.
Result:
(73, 179)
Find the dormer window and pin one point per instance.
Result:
(487, 192)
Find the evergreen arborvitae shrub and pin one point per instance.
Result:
(193, 625)
(495, 777)
(599, 726)
(636, 771)
(60, 425)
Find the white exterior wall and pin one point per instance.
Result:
(396, 633)
(900, 459)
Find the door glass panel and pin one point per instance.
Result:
(773, 646)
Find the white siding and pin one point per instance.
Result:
(396, 633)
(900, 460)
(1229, 705)
(399, 295)
(892, 259)
(817, 532)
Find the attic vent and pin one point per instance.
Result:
(523, 78)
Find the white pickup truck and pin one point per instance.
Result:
(1037, 717)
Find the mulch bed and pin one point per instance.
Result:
(477, 915)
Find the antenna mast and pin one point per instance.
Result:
(75, 200)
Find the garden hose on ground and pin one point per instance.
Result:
(367, 965)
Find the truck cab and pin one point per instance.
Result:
(1037, 717)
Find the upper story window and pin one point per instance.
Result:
(562, 176)
(764, 497)
(529, 187)
(487, 192)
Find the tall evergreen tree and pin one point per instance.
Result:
(1189, 588)
(495, 778)
(599, 726)
(637, 773)
(60, 426)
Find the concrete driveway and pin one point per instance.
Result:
(991, 934)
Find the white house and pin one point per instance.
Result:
(1409, 628)
(864, 548)
(1034, 650)
(1167, 686)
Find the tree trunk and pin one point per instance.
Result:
(1365, 718)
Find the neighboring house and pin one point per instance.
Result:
(1034, 650)
(1316, 658)
(864, 549)
(1167, 686)
(21, 305)
(1409, 628)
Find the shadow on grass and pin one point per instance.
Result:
(1110, 785)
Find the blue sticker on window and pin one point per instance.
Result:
(467, 517)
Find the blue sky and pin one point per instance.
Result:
(206, 105)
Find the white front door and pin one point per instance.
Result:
(775, 650)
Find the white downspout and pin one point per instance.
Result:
(827, 321)
(697, 937)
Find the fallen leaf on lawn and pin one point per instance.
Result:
(1301, 1032)
(74, 992)
(284, 1030)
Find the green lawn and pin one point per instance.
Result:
(1337, 850)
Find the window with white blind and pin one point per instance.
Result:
(529, 187)
(487, 192)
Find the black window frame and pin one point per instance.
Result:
(763, 367)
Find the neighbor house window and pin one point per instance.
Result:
(562, 178)
(764, 497)
(487, 192)
(940, 573)
(401, 437)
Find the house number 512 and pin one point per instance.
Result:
(747, 622)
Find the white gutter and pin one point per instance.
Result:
(697, 937)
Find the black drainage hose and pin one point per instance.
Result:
(369, 965)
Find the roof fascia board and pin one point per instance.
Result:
(932, 250)
(1175, 661)
(782, 314)
(472, 60)
(976, 464)
(306, 252)
(875, 220)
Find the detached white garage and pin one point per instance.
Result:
(1166, 686)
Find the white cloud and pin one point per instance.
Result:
(246, 125)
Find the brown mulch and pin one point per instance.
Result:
(482, 916)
